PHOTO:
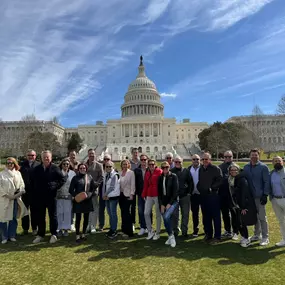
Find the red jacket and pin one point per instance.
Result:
(150, 188)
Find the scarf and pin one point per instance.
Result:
(231, 180)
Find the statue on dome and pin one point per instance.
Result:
(141, 60)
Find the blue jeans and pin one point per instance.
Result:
(167, 218)
(10, 231)
(141, 206)
(112, 212)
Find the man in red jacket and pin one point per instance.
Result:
(150, 193)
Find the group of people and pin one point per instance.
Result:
(74, 190)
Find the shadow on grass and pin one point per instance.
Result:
(226, 252)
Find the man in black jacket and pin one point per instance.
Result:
(26, 169)
(186, 185)
(210, 180)
(225, 197)
(139, 176)
(47, 178)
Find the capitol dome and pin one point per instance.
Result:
(142, 98)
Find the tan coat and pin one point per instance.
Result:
(10, 182)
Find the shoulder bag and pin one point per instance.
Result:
(83, 195)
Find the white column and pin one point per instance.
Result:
(143, 130)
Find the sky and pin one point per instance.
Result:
(74, 59)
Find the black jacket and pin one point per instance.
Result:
(77, 186)
(46, 182)
(171, 185)
(210, 179)
(26, 171)
(242, 198)
(224, 189)
(185, 181)
(139, 180)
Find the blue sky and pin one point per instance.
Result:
(210, 59)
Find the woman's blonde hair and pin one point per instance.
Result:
(14, 160)
(127, 161)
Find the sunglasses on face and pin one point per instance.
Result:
(65, 164)
(106, 158)
(165, 167)
(169, 158)
(205, 159)
(151, 164)
(108, 166)
(143, 159)
(32, 155)
(10, 163)
(227, 156)
(195, 159)
(178, 162)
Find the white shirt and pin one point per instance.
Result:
(195, 175)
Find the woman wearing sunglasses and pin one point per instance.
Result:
(111, 194)
(64, 199)
(167, 197)
(241, 202)
(11, 206)
(81, 188)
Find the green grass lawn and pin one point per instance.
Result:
(137, 261)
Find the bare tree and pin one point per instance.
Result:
(281, 106)
(29, 118)
(55, 120)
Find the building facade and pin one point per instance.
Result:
(142, 125)
(270, 129)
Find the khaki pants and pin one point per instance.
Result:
(93, 216)
(261, 226)
(278, 206)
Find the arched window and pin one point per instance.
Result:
(124, 149)
(147, 149)
(155, 149)
(164, 148)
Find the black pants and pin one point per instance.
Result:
(210, 205)
(240, 227)
(195, 206)
(133, 209)
(102, 207)
(78, 221)
(26, 220)
(229, 216)
(43, 205)
(125, 205)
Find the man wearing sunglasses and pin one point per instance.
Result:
(135, 163)
(26, 169)
(210, 180)
(139, 176)
(195, 195)
(186, 186)
(229, 221)
(169, 159)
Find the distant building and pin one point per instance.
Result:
(270, 129)
(142, 125)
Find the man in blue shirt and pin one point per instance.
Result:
(258, 176)
(277, 194)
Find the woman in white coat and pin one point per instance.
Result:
(64, 200)
(111, 194)
(11, 206)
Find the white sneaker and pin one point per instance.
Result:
(245, 242)
(34, 233)
(281, 243)
(38, 239)
(235, 237)
(168, 241)
(264, 241)
(156, 236)
(72, 228)
(150, 235)
(141, 232)
(255, 238)
(93, 230)
(172, 241)
(134, 228)
(53, 239)
(4, 241)
(13, 240)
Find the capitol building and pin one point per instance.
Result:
(142, 125)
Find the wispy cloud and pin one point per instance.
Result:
(168, 95)
(54, 56)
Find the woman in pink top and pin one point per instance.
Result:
(127, 188)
